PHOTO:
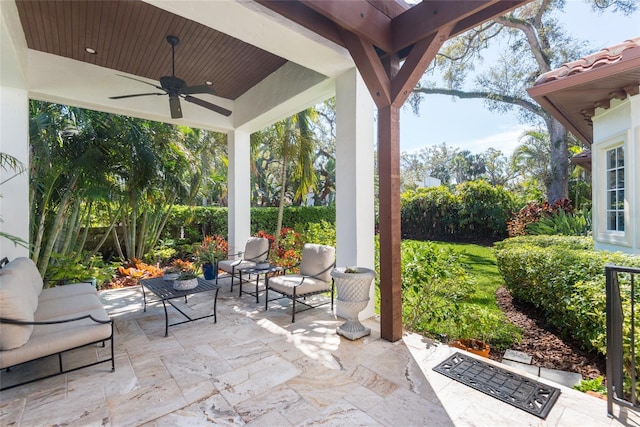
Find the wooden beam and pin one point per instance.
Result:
(358, 17)
(390, 8)
(308, 18)
(370, 67)
(389, 218)
(416, 63)
(426, 18)
(492, 11)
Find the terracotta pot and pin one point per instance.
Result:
(471, 345)
(596, 394)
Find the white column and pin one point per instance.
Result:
(239, 187)
(634, 169)
(355, 220)
(14, 192)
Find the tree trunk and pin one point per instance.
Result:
(116, 241)
(557, 187)
(281, 204)
(70, 230)
(56, 226)
(82, 238)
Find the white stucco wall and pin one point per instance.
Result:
(616, 126)
(14, 131)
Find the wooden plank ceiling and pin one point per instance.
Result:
(130, 36)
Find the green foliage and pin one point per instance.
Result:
(564, 278)
(473, 210)
(448, 292)
(195, 222)
(323, 233)
(434, 283)
(483, 209)
(595, 385)
(73, 269)
(543, 241)
(428, 213)
(560, 222)
(482, 318)
(297, 217)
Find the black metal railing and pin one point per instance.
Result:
(621, 337)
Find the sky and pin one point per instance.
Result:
(467, 124)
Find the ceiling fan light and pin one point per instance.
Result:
(208, 83)
(90, 50)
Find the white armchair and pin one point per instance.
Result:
(315, 278)
(255, 251)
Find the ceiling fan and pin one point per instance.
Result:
(177, 88)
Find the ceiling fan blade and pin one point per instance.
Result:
(208, 105)
(141, 81)
(134, 95)
(174, 106)
(192, 90)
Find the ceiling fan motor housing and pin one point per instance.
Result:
(177, 88)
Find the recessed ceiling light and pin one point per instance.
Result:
(208, 83)
(90, 50)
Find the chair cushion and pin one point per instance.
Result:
(304, 285)
(28, 272)
(257, 249)
(317, 261)
(72, 306)
(65, 291)
(229, 264)
(50, 339)
(18, 301)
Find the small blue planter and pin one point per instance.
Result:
(209, 271)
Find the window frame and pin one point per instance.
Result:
(602, 234)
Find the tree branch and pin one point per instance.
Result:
(530, 33)
(522, 103)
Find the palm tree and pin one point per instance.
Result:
(531, 158)
(295, 145)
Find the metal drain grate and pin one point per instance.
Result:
(521, 392)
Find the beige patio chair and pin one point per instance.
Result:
(255, 251)
(315, 278)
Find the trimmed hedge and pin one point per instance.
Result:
(564, 278)
(474, 210)
(198, 221)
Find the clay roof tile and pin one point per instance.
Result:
(605, 56)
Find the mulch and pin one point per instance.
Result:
(544, 344)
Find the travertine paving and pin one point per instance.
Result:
(256, 368)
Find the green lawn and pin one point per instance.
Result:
(485, 316)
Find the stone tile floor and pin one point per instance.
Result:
(256, 368)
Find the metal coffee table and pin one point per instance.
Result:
(272, 270)
(163, 289)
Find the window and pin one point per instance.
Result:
(615, 189)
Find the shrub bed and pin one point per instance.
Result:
(564, 278)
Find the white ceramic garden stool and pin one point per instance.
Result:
(353, 285)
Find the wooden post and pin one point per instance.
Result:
(389, 217)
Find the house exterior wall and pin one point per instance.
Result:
(617, 126)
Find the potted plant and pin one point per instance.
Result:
(208, 252)
(471, 322)
(472, 345)
(185, 281)
(352, 285)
